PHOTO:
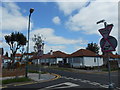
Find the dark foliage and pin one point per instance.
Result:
(93, 47)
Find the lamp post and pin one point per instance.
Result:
(31, 11)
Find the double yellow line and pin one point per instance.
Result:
(56, 76)
(27, 83)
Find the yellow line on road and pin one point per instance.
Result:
(3, 87)
(56, 77)
(24, 84)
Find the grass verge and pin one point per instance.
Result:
(60, 68)
(22, 79)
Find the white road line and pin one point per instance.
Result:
(89, 82)
(69, 84)
(75, 79)
(80, 79)
(70, 78)
(118, 88)
(94, 83)
(84, 81)
(104, 86)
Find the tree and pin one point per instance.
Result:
(6, 54)
(93, 47)
(39, 43)
(15, 40)
(22, 52)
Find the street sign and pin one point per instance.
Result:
(108, 45)
(106, 31)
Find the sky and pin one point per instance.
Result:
(65, 26)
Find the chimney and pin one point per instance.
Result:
(51, 52)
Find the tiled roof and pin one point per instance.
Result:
(29, 54)
(112, 55)
(34, 57)
(47, 56)
(59, 54)
(18, 55)
(43, 56)
(17, 59)
(56, 54)
(82, 52)
(5, 57)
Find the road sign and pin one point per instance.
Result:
(106, 31)
(108, 45)
(40, 50)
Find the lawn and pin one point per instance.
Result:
(22, 79)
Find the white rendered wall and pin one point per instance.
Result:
(90, 61)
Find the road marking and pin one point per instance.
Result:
(56, 77)
(64, 85)
(94, 83)
(104, 86)
(3, 87)
(84, 81)
(118, 88)
(24, 84)
(89, 82)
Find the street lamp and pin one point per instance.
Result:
(31, 11)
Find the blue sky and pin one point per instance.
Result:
(67, 26)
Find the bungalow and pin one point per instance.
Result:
(59, 57)
(5, 61)
(114, 60)
(52, 58)
(17, 57)
(84, 58)
(30, 55)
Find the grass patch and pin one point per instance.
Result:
(60, 68)
(0, 82)
(23, 79)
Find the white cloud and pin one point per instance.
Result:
(51, 38)
(12, 18)
(56, 20)
(78, 47)
(87, 17)
(69, 7)
(55, 42)
(56, 0)
(54, 48)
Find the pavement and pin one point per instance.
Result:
(34, 76)
(41, 77)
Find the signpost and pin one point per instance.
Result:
(40, 53)
(108, 44)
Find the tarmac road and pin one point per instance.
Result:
(75, 80)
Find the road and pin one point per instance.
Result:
(74, 80)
